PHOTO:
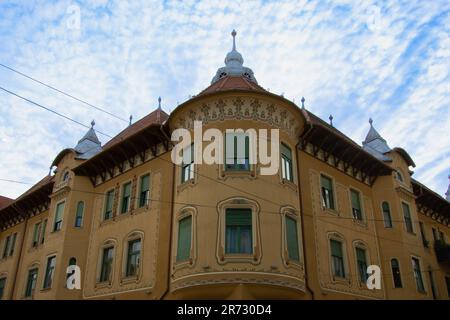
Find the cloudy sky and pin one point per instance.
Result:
(354, 59)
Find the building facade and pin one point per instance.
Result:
(140, 226)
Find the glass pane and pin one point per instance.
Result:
(292, 239)
(184, 238)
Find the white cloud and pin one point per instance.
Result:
(392, 67)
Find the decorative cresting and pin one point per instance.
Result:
(234, 65)
(239, 108)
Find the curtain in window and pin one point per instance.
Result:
(134, 251)
(356, 204)
(126, 197)
(337, 258)
(418, 274)
(396, 273)
(237, 151)
(109, 204)
(327, 192)
(79, 214)
(407, 216)
(286, 163)
(387, 215)
(238, 233)
(59, 216)
(31, 282)
(362, 263)
(144, 193)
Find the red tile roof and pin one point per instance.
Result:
(232, 83)
(4, 201)
(156, 117)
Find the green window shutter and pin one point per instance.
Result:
(286, 151)
(36, 232)
(326, 183)
(292, 239)
(127, 190)
(239, 217)
(355, 199)
(361, 254)
(59, 211)
(336, 248)
(184, 238)
(109, 200)
(145, 183)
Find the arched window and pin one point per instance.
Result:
(66, 176)
(79, 214)
(399, 176)
(386, 214)
(396, 273)
(72, 261)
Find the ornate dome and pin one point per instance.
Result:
(234, 65)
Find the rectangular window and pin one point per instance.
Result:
(109, 205)
(396, 273)
(2, 287)
(418, 274)
(79, 214)
(337, 259)
(58, 216)
(292, 239)
(237, 152)
(8, 249)
(286, 163)
(327, 192)
(187, 166)
(6, 246)
(422, 234)
(44, 226)
(49, 271)
(126, 195)
(361, 261)
(238, 231)
(31, 282)
(144, 191)
(386, 215)
(407, 216)
(133, 257)
(36, 234)
(106, 268)
(356, 205)
(184, 238)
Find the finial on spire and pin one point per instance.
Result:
(234, 33)
(159, 103)
(303, 102)
(131, 119)
(331, 119)
(92, 123)
(370, 121)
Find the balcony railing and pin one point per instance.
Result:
(442, 250)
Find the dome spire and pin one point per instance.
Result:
(233, 34)
(448, 191)
(234, 65)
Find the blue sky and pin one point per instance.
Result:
(388, 60)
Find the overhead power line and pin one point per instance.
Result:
(64, 93)
(52, 111)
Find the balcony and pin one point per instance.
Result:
(442, 250)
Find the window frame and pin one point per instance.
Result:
(358, 246)
(122, 197)
(418, 274)
(79, 218)
(49, 273)
(358, 193)
(29, 291)
(238, 203)
(285, 160)
(399, 273)
(112, 247)
(188, 257)
(190, 167)
(132, 237)
(147, 192)
(2, 288)
(390, 225)
(333, 203)
(106, 202)
(235, 166)
(57, 224)
(334, 274)
(411, 224)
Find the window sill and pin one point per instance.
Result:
(46, 289)
(183, 263)
(103, 284)
(230, 173)
(235, 257)
(186, 184)
(361, 223)
(289, 184)
(330, 211)
(129, 279)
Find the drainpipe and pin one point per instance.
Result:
(303, 221)
(166, 291)
(22, 244)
